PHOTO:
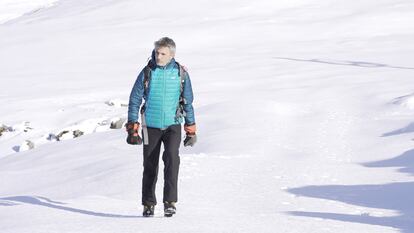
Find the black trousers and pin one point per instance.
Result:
(171, 138)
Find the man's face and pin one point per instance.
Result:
(163, 56)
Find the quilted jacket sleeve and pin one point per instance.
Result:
(188, 105)
(135, 98)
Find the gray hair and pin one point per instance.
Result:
(165, 42)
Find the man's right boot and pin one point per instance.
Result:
(148, 211)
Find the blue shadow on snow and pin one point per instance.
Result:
(407, 129)
(396, 196)
(42, 201)
(346, 63)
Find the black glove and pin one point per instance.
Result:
(133, 136)
(190, 140)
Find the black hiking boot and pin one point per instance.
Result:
(169, 209)
(148, 211)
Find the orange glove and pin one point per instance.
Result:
(191, 137)
(133, 136)
(190, 129)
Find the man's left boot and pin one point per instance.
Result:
(169, 209)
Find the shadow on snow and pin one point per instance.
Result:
(42, 201)
(407, 129)
(346, 63)
(396, 196)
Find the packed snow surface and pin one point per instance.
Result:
(304, 111)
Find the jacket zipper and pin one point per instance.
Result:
(163, 98)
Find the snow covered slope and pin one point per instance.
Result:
(11, 9)
(304, 111)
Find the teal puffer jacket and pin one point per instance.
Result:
(162, 97)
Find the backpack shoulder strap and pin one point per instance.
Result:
(180, 108)
(147, 77)
(182, 73)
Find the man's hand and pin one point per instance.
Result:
(133, 136)
(191, 137)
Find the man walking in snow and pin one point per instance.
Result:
(166, 89)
